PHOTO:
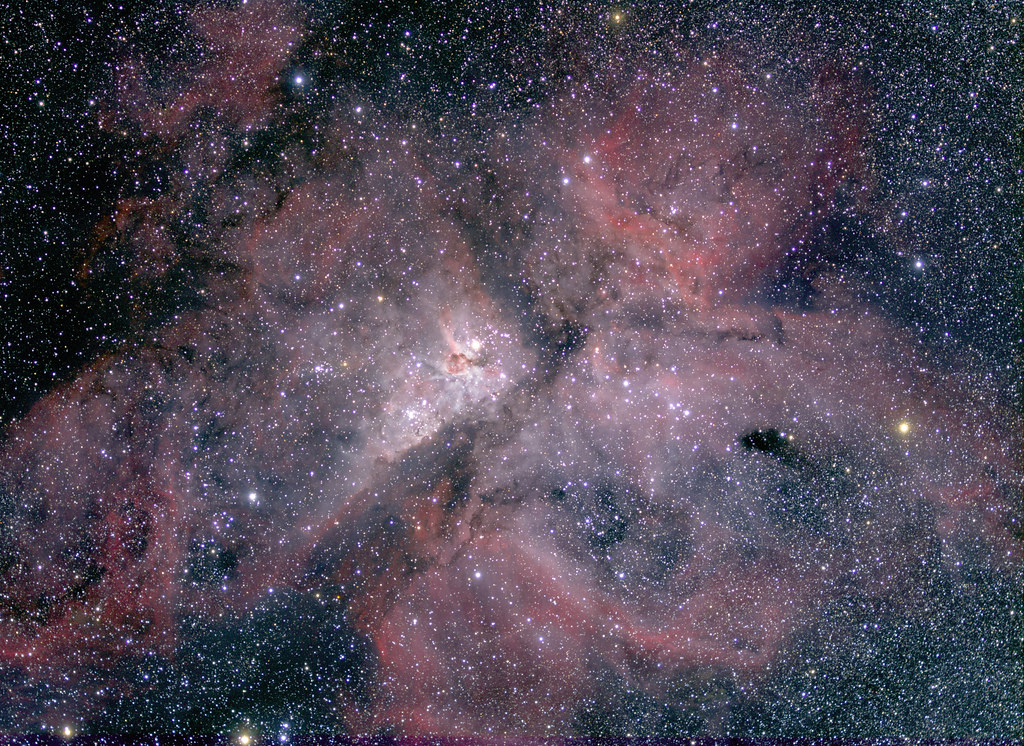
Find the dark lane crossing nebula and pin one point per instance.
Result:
(537, 370)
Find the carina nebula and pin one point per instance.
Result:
(580, 411)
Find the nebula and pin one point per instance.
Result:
(489, 438)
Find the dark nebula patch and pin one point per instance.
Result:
(532, 371)
(771, 442)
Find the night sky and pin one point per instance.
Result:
(511, 369)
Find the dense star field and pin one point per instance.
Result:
(529, 370)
